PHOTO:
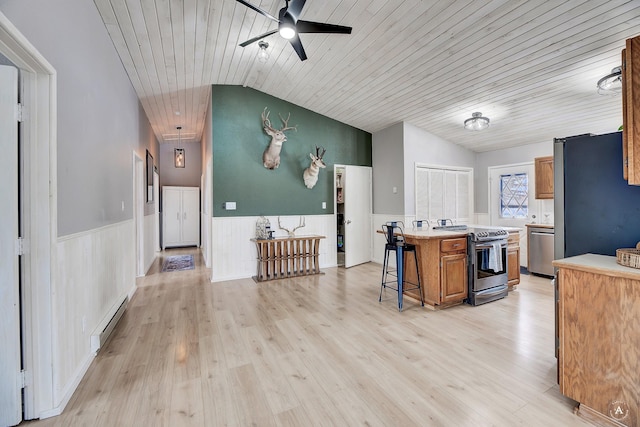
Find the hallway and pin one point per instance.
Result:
(319, 350)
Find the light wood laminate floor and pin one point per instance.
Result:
(320, 351)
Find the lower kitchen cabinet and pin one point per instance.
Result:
(443, 270)
(454, 277)
(513, 259)
(599, 338)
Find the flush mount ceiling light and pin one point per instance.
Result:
(476, 122)
(263, 55)
(611, 84)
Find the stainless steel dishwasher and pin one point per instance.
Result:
(541, 250)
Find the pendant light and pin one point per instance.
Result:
(476, 122)
(178, 153)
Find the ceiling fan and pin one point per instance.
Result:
(289, 26)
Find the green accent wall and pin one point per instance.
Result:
(238, 142)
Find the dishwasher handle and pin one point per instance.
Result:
(542, 233)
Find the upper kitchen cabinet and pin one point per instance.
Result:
(544, 177)
(631, 110)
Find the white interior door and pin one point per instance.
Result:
(156, 211)
(10, 390)
(508, 186)
(138, 212)
(357, 215)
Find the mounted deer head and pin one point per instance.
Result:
(271, 155)
(310, 174)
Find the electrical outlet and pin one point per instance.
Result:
(324, 205)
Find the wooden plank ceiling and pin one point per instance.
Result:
(530, 66)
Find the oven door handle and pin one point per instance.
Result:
(503, 244)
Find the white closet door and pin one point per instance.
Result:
(190, 217)
(10, 393)
(172, 217)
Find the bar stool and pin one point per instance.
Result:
(394, 235)
(418, 224)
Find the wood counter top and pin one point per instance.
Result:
(598, 264)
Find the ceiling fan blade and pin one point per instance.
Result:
(297, 46)
(319, 27)
(255, 39)
(257, 9)
(294, 9)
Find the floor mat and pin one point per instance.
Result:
(178, 263)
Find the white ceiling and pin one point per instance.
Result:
(531, 66)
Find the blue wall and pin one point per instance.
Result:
(238, 142)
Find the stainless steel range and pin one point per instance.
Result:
(487, 265)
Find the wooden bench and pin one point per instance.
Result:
(283, 257)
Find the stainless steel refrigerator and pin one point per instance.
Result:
(596, 211)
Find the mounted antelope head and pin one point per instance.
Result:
(271, 155)
(310, 174)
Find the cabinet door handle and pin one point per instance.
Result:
(184, 215)
(178, 216)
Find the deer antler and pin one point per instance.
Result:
(320, 154)
(285, 122)
(265, 119)
(291, 232)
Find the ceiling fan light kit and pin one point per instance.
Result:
(476, 122)
(611, 84)
(290, 27)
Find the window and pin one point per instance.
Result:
(514, 195)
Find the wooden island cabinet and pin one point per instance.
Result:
(443, 265)
(513, 259)
(598, 328)
(443, 269)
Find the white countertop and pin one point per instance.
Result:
(430, 233)
(600, 264)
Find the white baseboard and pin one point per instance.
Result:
(69, 389)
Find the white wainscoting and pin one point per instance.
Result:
(205, 243)
(150, 226)
(94, 270)
(378, 239)
(234, 256)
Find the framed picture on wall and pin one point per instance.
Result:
(149, 179)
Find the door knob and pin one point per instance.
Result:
(348, 221)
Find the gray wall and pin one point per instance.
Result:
(423, 147)
(508, 156)
(100, 122)
(189, 176)
(396, 150)
(387, 156)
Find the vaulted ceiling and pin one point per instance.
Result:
(531, 66)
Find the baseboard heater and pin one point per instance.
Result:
(102, 332)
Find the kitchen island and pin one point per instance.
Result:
(598, 333)
(442, 263)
